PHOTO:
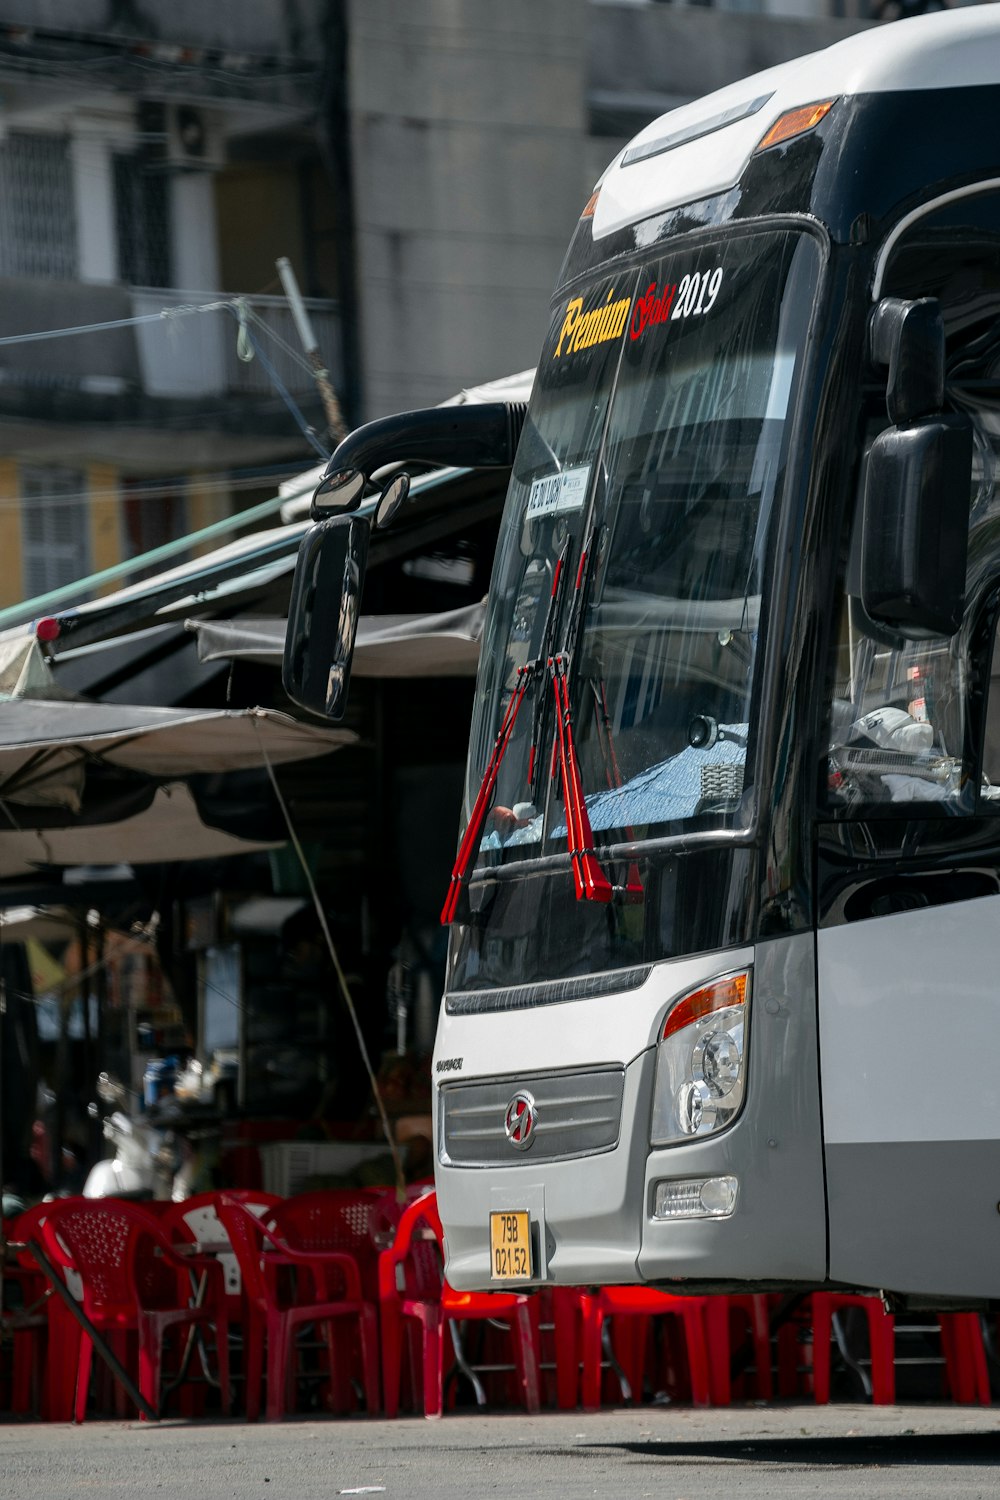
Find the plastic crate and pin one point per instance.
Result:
(288, 1166)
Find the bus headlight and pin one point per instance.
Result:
(701, 1061)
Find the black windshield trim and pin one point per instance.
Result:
(546, 992)
(671, 843)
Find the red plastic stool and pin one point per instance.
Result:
(749, 1316)
(881, 1343)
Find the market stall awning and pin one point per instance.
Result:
(169, 831)
(440, 645)
(45, 746)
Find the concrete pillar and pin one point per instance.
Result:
(96, 134)
(93, 188)
(194, 249)
(468, 129)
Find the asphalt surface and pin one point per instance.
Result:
(667, 1453)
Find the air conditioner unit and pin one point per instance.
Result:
(195, 140)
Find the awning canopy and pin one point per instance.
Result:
(441, 645)
(170, 830)
(45, 746)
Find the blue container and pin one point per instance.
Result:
(158, 1080)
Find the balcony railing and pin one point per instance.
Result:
(75, 336)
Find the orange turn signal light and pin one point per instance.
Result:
(590, 205)
(795, 122)
(719, 995)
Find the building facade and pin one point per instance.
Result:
(420, 165)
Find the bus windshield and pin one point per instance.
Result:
(636, 545)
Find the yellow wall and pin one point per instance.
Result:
(259, 218)
(205, 506)
(11, 573)
(105, 521)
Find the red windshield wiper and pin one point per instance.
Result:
(591, 882)
(474, 829)
(530, 672)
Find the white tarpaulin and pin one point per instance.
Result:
(442, 645)
(45, 746)
(169, 830)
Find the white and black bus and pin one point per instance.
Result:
(723, 987)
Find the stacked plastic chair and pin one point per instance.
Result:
(414, 1295)
(276, 1316)
(344, 1219)
(134, 1283)
(335, 1219)
(630, 1308)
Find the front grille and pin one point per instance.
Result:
(577, 1114)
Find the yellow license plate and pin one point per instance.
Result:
(510, 1245)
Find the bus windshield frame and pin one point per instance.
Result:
(638, 544)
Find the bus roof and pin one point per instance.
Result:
(703, 148)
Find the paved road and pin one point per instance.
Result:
(914, 1453)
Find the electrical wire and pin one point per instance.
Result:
(309, 433)
(345, 991)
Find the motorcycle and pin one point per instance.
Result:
(133, 1171)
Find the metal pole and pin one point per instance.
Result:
(334, 416)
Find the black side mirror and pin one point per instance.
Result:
(323, 614)
(392, 498)
(339, 492)
(918, 483)
(918, 488)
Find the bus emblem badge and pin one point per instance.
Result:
(519, 1121)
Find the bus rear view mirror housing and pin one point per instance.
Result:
(916, 527)
(323, 613)
(478, 436)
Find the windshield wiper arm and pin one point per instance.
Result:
(474, 829)
(530, 672)
(590, 880)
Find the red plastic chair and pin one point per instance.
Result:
(633, 1306)
(24, 1324)
(196, 1221)
(732, 1324)
(881, 1344)
(412, 1287)
(560, 1327)
(346, 1219)
(336, 1219)
(964, 1355)
(58, 1374)
(133, 1282)
(274, 1320)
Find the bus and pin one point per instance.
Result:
(724, 959)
